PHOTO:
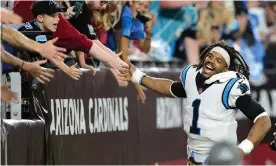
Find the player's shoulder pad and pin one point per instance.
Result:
(184, 72)
(235, 88)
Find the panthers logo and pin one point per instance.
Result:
(243, 87)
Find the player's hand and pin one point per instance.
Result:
(140, 93)
(49, 51)
(8, 96)
(73, 72)
(42, 74)
(8, 17)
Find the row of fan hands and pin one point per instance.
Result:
(120, 69)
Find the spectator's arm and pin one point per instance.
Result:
(192, 50)
(106, 57)
(145, 43)
(100, 44)
(42, 74)
(71, 38)
(8, 17)
(124, 47)
(126, 24)
(72, 71)
(9, 59)
(17, 39)
(81, 59)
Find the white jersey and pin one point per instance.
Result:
(210, 115)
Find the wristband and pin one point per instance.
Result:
(138, 76)
(246, 146)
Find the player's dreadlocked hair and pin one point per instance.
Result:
(237, 62)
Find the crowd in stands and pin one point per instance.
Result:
(88, 34)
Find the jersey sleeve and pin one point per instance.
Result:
(183, 75)
(234, 89)
(177, 90)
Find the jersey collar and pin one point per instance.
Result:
(222, 77)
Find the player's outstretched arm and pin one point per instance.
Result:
(159, 85)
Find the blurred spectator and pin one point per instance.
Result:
(142, 46)
(135, 24)
(69, 12)
(8, 17)
(208, 30)
(244, 38)
(82, 18)
(84, 13)
(8, 4)
(101, 21)
(173, 18)
(263, 20)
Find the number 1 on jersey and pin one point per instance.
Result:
(194, 128)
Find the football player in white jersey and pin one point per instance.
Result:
(215, 89)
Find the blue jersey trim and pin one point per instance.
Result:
(184, 74)
(226, 92)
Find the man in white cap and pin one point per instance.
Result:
(215, 89)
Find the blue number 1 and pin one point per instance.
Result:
(194, 129)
